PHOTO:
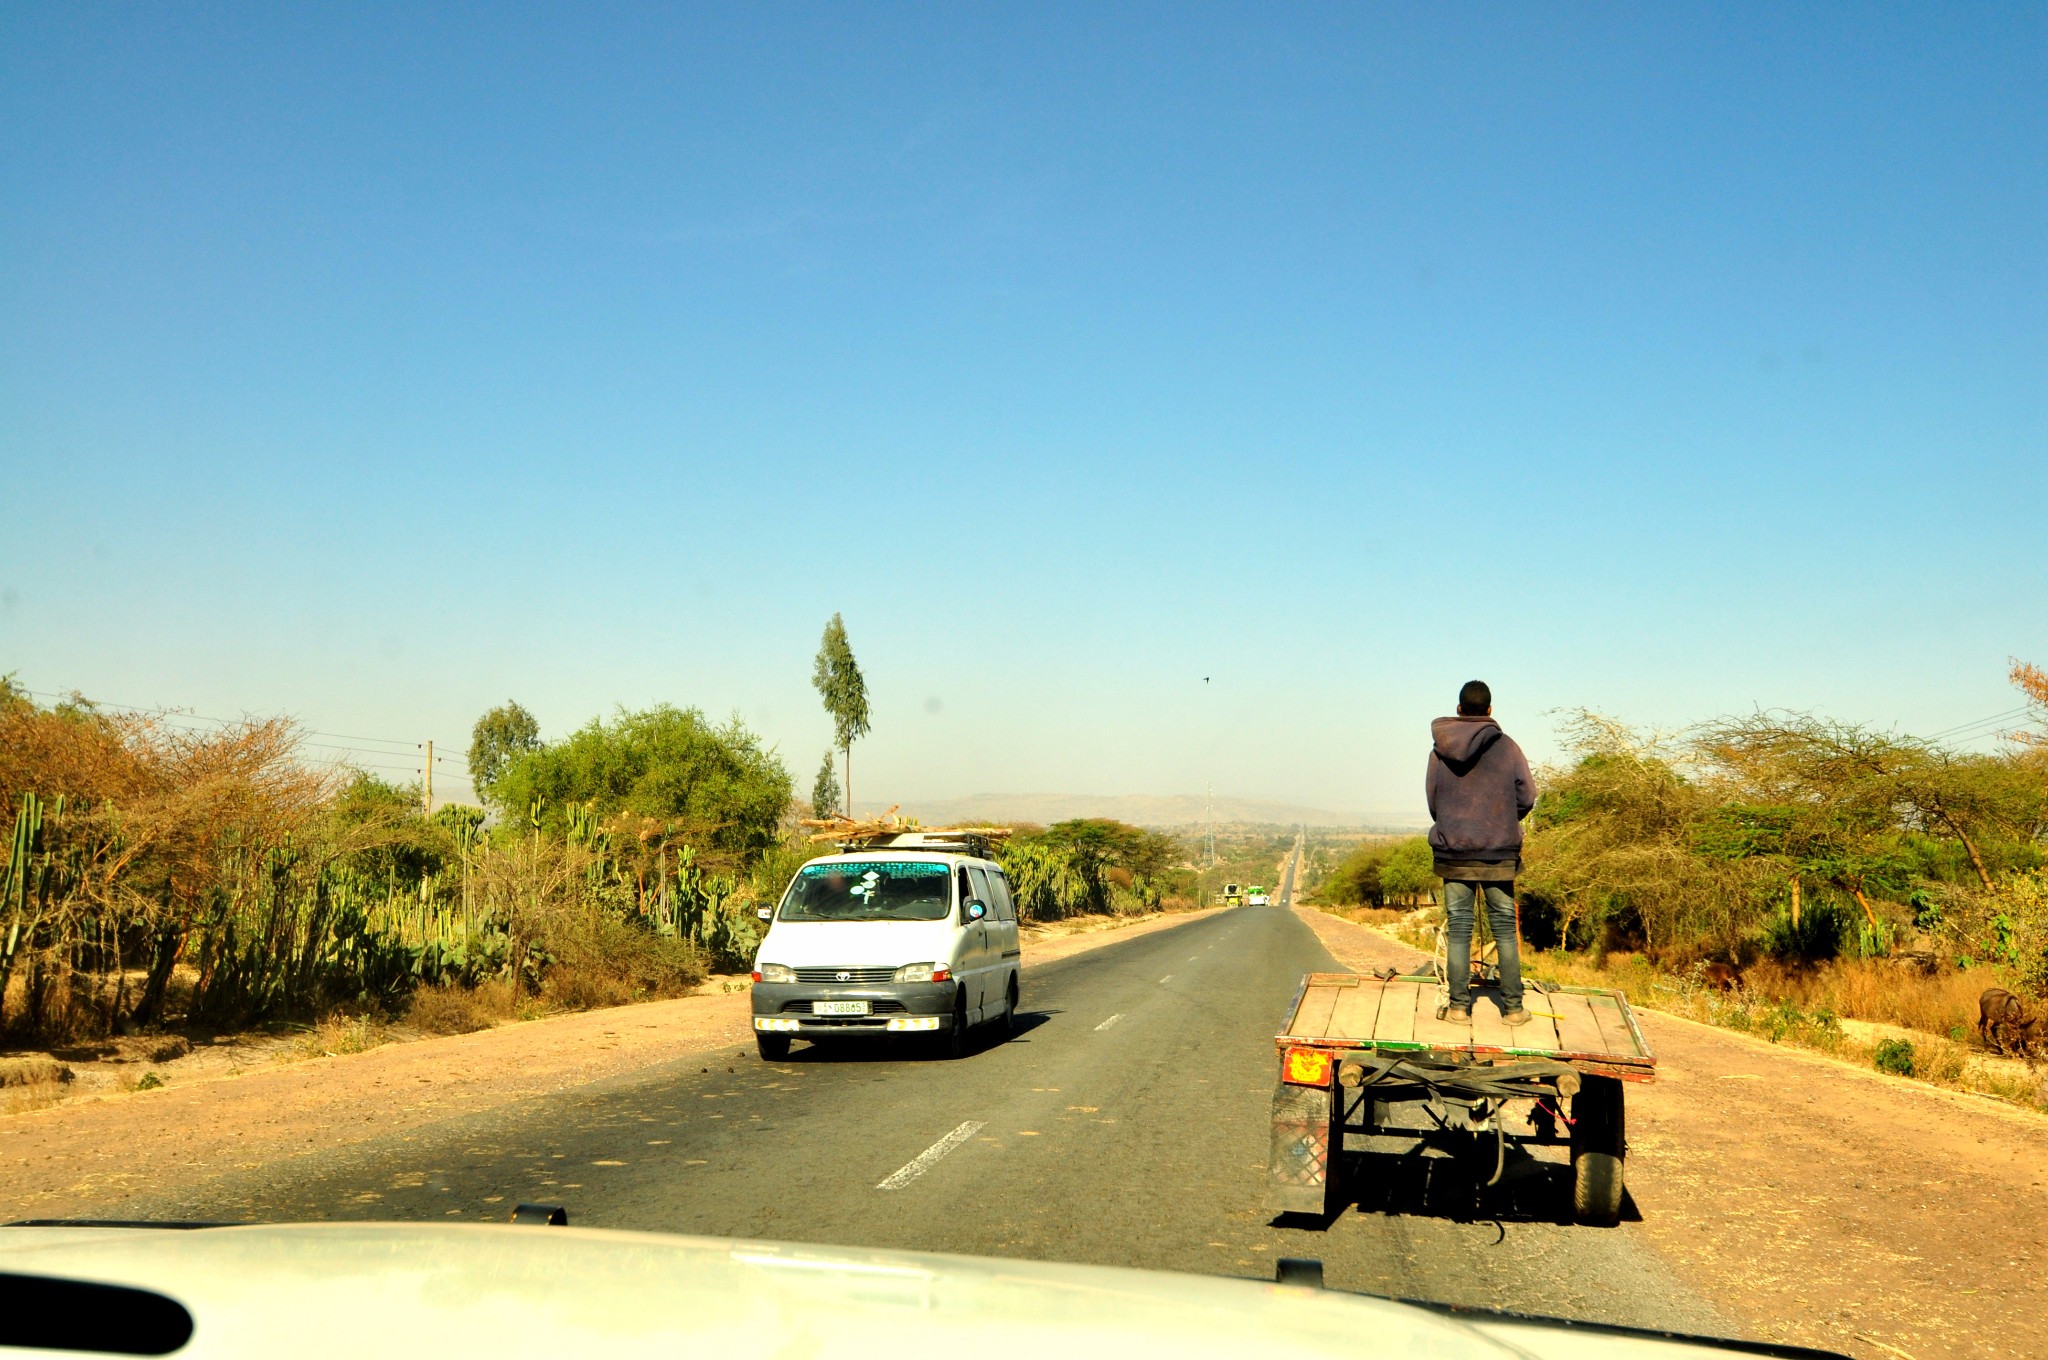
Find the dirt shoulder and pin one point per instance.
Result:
(1825, 1204)
(84, 1157)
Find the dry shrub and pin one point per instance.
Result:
(577, 989)
(643, 964)
(1879, 990)
(39, 1095)
(1371, 916)
(461, 1010)
(339, 1034)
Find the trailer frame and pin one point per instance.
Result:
(1446, 1095)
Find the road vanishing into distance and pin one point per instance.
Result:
(1125, 1124)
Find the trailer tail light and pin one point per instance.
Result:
(1306, 1067)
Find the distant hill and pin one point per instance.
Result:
(1140, 809)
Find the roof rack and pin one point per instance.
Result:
(904, 833)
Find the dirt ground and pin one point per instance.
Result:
(249, 1102)
(1826, 1204)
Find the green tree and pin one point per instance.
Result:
(1409, 871)
(825, 790)
(499, 737)
(718, 787)
(838, 681)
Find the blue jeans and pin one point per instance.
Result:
(1500, 914)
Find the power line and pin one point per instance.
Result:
(173, 717)
(1993, 720)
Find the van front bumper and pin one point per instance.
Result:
(893, 1008)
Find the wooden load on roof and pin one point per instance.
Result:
(905, 832)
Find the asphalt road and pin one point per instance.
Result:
(1126, 1125)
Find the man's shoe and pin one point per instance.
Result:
(1517, 1016)
(1456, 1014)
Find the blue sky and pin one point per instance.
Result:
(376, 364)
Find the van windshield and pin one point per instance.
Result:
(871, 890)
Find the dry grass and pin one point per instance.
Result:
(40, 1095)
(339, 1034)
(1882, 991)
(582, 989)
(1847, 1009)
(462, 1010)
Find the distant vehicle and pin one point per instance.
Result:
(477, 1289)
(913, 933)
(1233, 894)
(1258, 897)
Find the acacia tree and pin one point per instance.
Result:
(2032, 681)
(838, 681)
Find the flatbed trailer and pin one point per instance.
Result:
(1371, 1058)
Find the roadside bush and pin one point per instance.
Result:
(1815, 938)
(1382, 873)
(1894, 1056)
(573, 989)
(156, 876)
(459, 1010)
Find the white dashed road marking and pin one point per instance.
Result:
(1111, 1021)
(1168, 978)
(929, 1158)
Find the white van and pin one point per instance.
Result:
(904, 938)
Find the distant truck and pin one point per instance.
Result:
(1258, 897)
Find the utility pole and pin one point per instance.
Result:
(429, 781)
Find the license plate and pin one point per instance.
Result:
(839, 1008)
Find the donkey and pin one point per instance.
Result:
(1720, 977)
(2002, 1016)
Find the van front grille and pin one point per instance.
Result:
(883, 1006)
(845, 975)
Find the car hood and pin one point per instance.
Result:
(430, 1290)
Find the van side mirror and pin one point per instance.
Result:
(765, 913)
(975, 909)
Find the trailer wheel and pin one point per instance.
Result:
(1599, 1142)
(774, 1047)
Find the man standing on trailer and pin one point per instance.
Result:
(1479, 790)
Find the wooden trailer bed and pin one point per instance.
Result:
(1588, 1028)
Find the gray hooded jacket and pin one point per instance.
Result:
(1479, 789)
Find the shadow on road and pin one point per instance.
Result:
(863, 1048)
(1531, 1190)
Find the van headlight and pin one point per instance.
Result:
(774, 972)
(924, 972)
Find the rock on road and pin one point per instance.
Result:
(1126, 1124)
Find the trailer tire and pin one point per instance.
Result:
(1599, 1143)
(1596, 1189)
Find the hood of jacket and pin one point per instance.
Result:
(1461, 740)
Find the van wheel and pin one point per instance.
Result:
(774, 1047)
(1008, 1028)
(953, 1043)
